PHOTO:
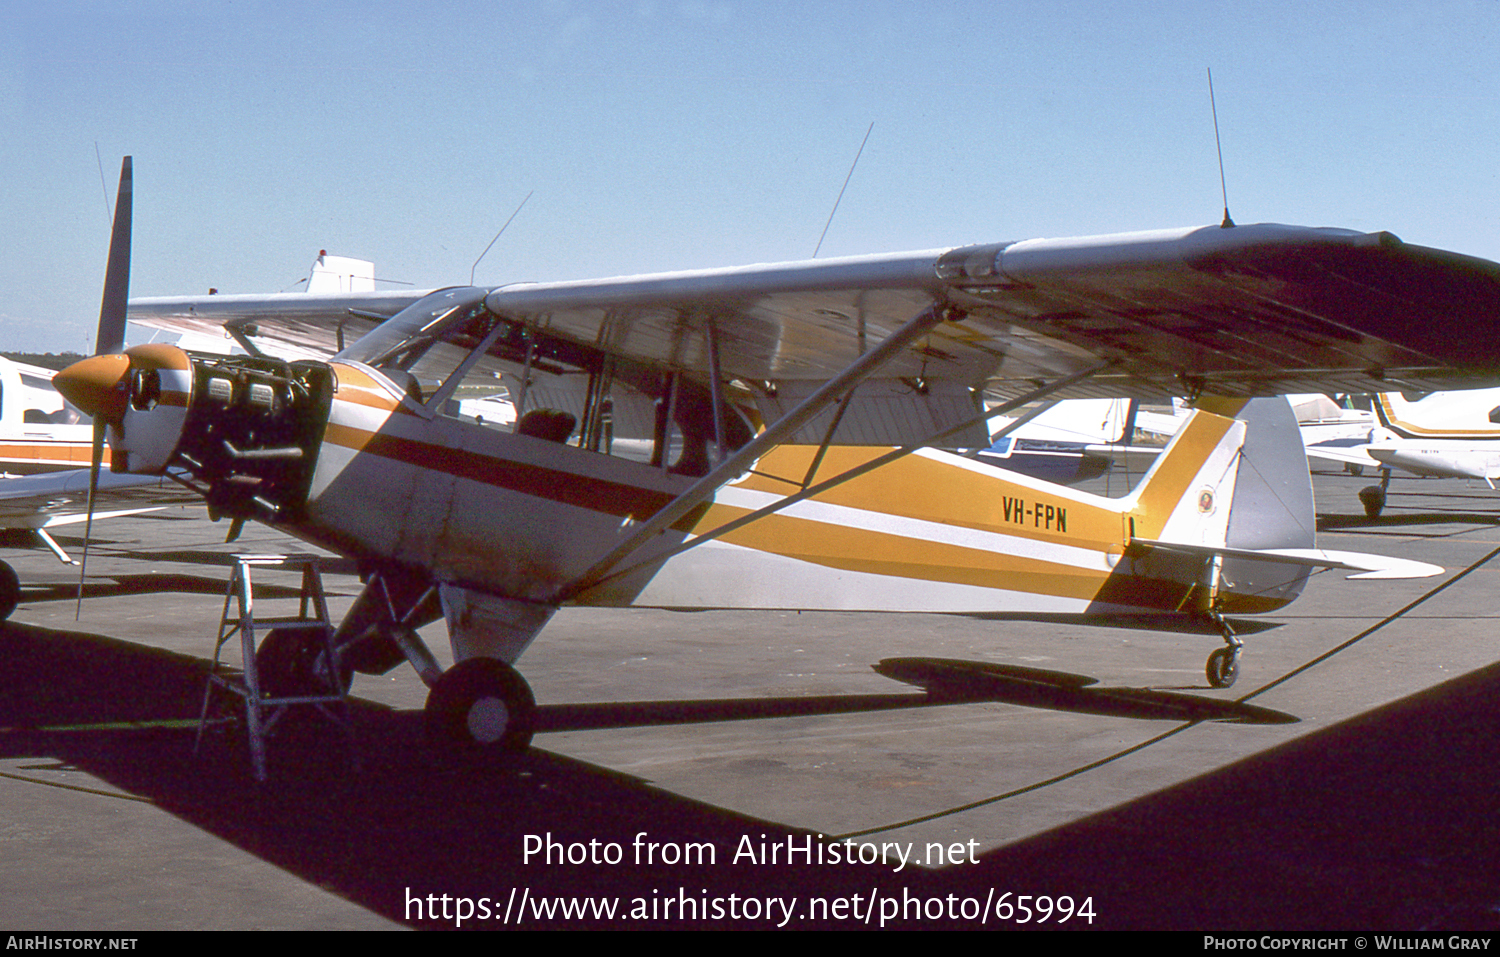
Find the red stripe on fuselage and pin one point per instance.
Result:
(568, 488)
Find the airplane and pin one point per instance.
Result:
(780, 420)
(1445, 435)
(44, 476)
(1068, 442)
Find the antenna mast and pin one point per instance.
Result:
(475, 267)
(1223, 188)
(842, 188)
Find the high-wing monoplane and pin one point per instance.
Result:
(762, 436)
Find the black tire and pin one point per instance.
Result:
(1223, 668)
(10, 590)
(481, 706)
(290, 663)
(1372, 497)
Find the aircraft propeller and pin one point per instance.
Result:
(108, 342)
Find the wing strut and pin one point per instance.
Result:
(881, 460)
(774, 434)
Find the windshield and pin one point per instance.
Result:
(403, 339)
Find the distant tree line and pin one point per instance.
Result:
(47, 360)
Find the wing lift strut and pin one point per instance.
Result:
(608, 567)
(482, 703)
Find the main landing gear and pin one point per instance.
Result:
(1372, 497)
(479, 707)
(483, 706)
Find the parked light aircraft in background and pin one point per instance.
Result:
(777, 418)
(44, 458)
(1445, 434)
(1070, 442)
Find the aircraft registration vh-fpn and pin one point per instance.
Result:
(760, 437)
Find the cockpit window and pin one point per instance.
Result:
(464, 362)
(405, 337)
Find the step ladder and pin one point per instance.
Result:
(306, 635)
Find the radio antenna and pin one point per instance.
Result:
(1223, 188)
(844, 187)
(497, 236)
(109, 213)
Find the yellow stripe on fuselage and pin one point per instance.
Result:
(1173, 473)
(941, 490)
(863, 549)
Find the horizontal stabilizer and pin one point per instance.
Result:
(1365, 565)
(1343, 455)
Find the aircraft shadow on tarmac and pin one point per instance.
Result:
(951, 680)
(1423, 513)
(379, 819)
(374, 814)
(143, 584)
(1382, 821)
(156, 582)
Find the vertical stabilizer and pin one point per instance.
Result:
(1273, 502)
(340, 274)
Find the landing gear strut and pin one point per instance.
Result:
(1224, 664)
(483, 706)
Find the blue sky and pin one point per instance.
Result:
(662, 135)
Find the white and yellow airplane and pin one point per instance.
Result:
(759, 437)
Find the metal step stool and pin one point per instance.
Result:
(305, 636)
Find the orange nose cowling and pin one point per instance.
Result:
(96, 385)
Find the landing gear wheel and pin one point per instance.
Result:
(1372, 497)
(1354, 468)
(293, 661)
(1223, 667)
(483, 706)
(10, 590)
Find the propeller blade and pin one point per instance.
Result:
(110, 339)
(111, 335)
(95, 463)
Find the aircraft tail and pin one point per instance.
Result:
(1258, 501)
(1272, 510)
(340, 274)
(1390, 407)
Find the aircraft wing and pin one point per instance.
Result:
(311, 323)
(1246, 310)
(60, 498)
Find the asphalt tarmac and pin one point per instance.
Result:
(686, 761)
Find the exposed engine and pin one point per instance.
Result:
(252, 432)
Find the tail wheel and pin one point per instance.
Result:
(481, 705)
(1223, 667)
